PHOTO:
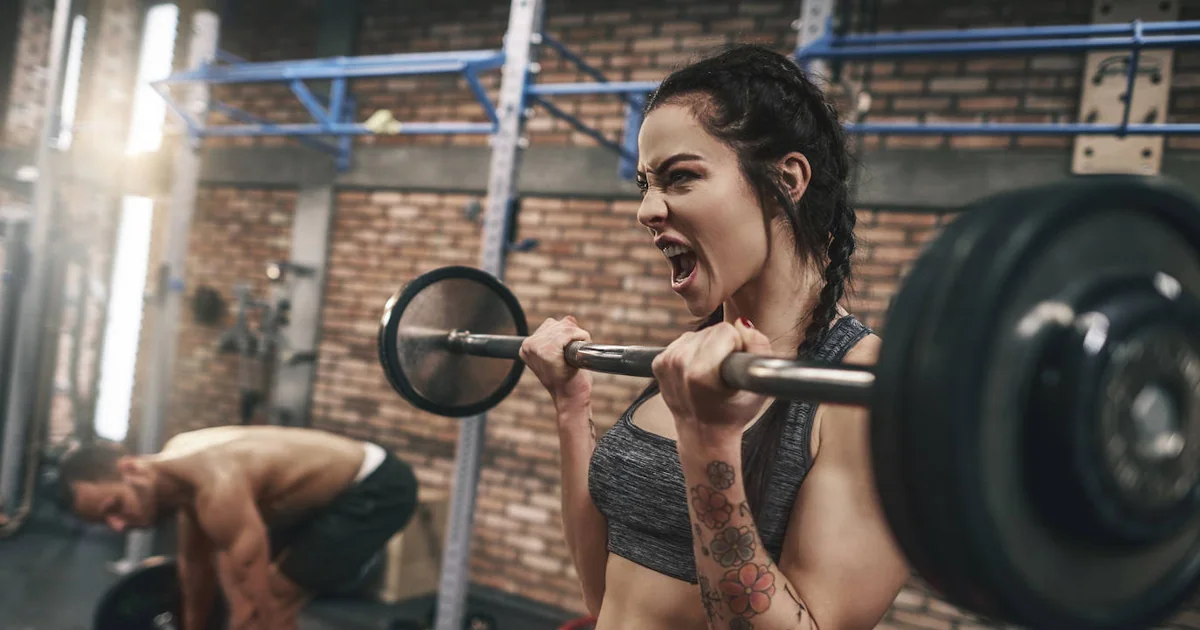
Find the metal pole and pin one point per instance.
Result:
(23, 387)
(202, 48)
(524, 20)
(815, 16)
(12, 282)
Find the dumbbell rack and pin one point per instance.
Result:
(817, 43)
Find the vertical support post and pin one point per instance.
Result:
(12, 283)
(23, 387)
(202, 48)
(627, 164)
(524, 21)
(291, 393)
(815, 17)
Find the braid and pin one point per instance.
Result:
(842, 245)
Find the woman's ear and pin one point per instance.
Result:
(796, 173)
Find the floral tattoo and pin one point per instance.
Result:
(710, 598)
(733, 546)
(712, 508)
(720, 475)
(748, 590)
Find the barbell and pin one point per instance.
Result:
(1035, 407)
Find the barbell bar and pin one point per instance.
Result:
(1035, 406)
(782, 378)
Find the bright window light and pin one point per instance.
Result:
(70, 94)
(158, 54)
(124, 323)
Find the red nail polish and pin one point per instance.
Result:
(745, 322)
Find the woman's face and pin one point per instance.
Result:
(702, 212)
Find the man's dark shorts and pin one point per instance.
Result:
(330, 551)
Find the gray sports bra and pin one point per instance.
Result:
(637, 482)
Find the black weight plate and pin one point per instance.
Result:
(412, 347)
(148, 598)
(889, 456)
(893, 455)
(968, 392)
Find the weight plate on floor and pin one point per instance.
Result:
(968, 407)
(413, 345)
(149, 598)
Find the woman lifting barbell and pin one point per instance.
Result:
(705, 505)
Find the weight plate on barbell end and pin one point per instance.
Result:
(1115, 413)
(892, 455)
(148, 598)
(414, 331)
(965, 406)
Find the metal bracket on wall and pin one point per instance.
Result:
(813, 25)
(1110, 78)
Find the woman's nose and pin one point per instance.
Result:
(653, 212)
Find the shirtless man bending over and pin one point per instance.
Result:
(275, 515)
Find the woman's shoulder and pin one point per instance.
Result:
(845, 419)
(865, 351)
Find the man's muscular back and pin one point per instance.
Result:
(289, 471)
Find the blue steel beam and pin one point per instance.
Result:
(341, 67)
(580, 63)
(831, 48)
(580, 126)
(258, 121)
(1028, 129)
(615, 87)
(343, 129)
(1016, 32)
(310, 102)
(481, 94)
(337, 101)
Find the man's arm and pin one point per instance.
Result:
(197, 574)
(227, 513)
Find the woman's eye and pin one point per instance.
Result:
(679, 177)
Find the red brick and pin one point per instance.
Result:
(958, 85)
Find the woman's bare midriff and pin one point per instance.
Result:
(637, 598)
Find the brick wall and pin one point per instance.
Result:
(234, 234)
(593, 261)
(25, 103)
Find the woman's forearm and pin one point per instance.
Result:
(585, 529)
(741, 588)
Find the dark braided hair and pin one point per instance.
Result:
(760, 104)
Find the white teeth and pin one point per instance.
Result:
(671, 251)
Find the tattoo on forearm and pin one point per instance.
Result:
(748, 590)
(592, 426)
(733, 546)
(720, 475)
(712, 508)
(747, 587)
(709, 597)
(796, 598)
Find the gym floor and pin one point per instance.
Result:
(56, 570)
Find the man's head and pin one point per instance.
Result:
(100, 483)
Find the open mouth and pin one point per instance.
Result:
(683, 262)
